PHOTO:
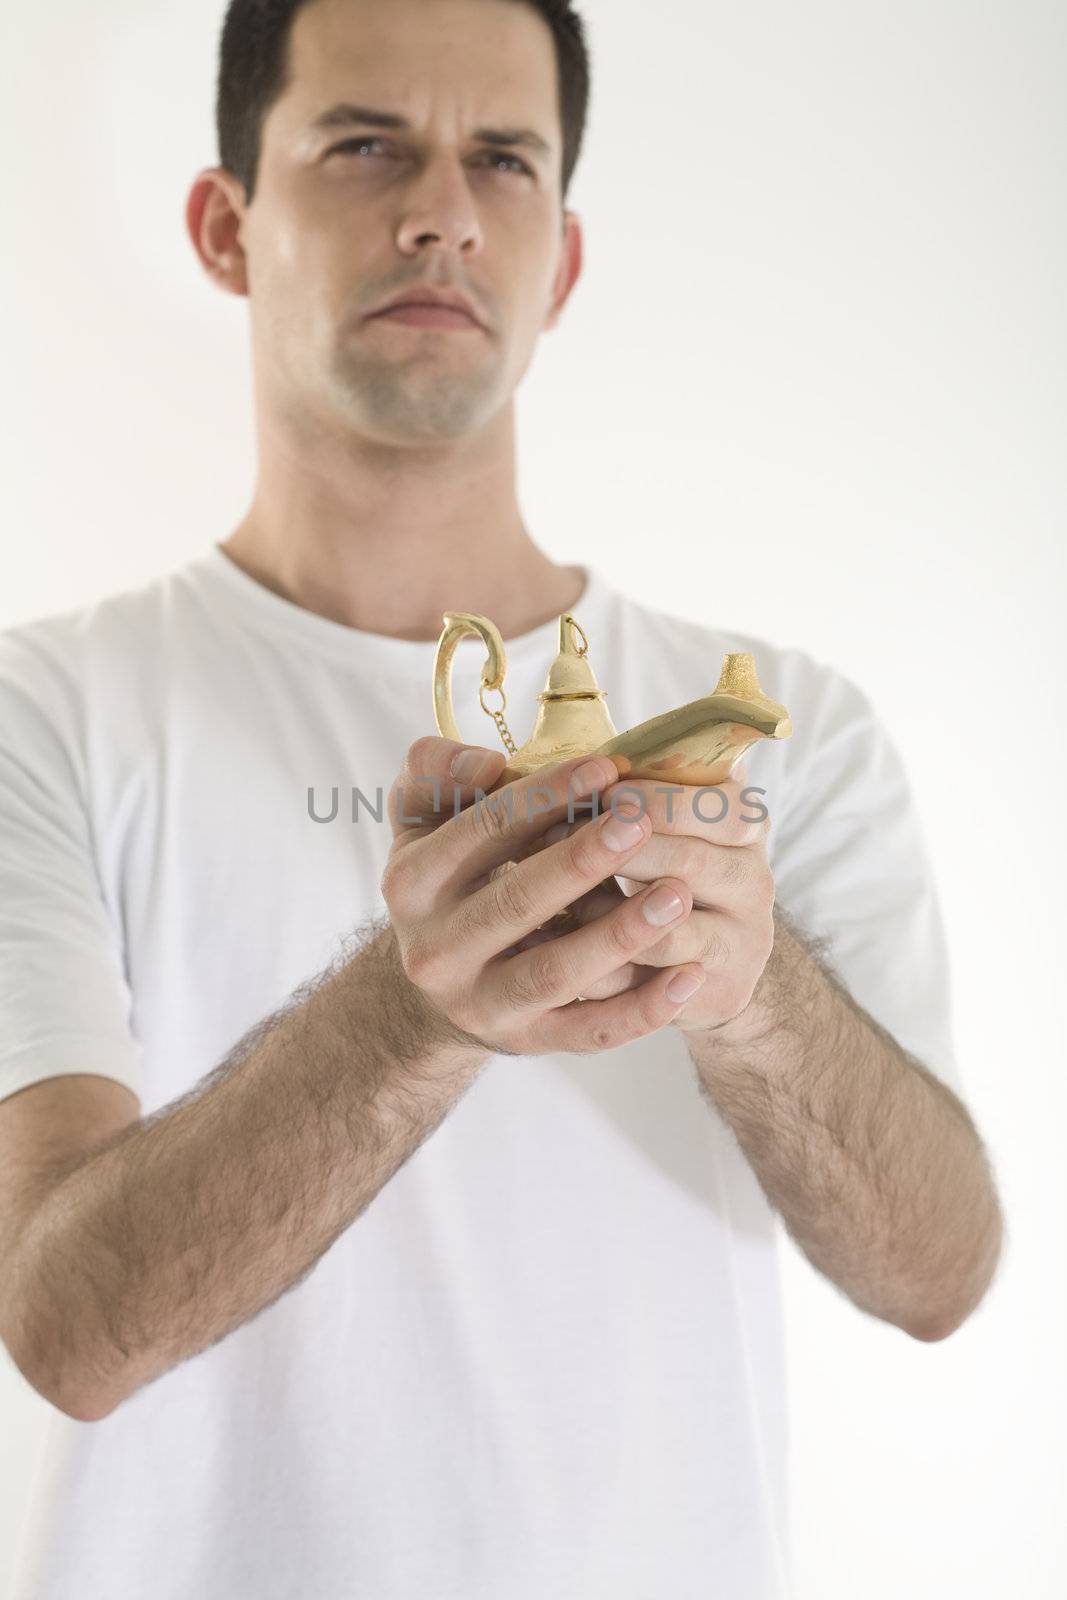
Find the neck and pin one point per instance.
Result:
(385, 539)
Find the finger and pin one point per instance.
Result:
(594, 1025)
(730, 813)
(721, 877)
(499, 826)
(427, 791)
(710, 938)
(707, 938)
(517, 901)
(587, 908)
(558, 971)
(597, 903)
(625, 977)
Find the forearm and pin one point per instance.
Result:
(874, 1164)
(188, 1223)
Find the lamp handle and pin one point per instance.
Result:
(458, 624)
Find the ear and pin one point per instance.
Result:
(570, 266)
(214, 215)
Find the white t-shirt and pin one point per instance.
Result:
(547, 1362)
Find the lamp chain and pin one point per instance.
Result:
(498, 717)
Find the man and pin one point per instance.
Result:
(294, 1344)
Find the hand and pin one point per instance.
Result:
(460, 920)
(730, 930)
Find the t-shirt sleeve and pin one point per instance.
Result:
(64, 999)
(851, 864)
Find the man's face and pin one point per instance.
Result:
(346, 216)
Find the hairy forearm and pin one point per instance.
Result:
(875, 1166)
(183, 1226)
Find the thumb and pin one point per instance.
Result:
(437, 778)
(474, 766)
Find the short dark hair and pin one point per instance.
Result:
(254, 64)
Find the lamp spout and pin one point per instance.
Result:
(698, 743)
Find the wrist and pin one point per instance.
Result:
(408, 1025)
(749, 1025)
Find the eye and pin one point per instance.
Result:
(353, 144)
(517, 160)
(495, 156)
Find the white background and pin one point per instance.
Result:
(811, 386)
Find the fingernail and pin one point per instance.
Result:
(620, 833)
(589, 776)
(661, 906)
(468, 764)
(685, 984)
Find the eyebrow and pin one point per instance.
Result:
(346, 115)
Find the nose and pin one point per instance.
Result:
(438, 208)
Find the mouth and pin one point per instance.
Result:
(425, 315)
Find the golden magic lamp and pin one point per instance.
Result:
(697, 743)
